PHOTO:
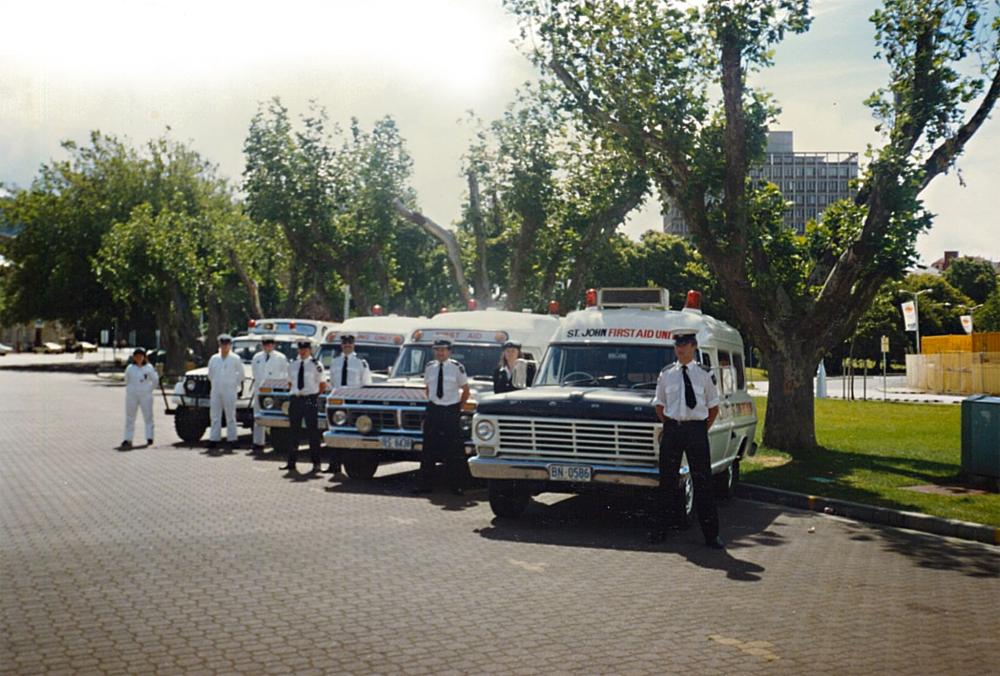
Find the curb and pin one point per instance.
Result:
(880, 515)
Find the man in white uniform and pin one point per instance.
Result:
(346, 370)
(140, 381)
(268, 364)
(225, 374)
(687, 403)
(447, 389)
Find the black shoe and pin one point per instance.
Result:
(289, 467)
(458, 491)
(149, 442)
(126, 444)
(228, 448)
(655, 537)
(333, 469)
(212, 445)
(715, 543)
(316, 468)
(420, 490)
(256, 450)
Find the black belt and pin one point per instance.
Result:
(304, 396)
(671, 421)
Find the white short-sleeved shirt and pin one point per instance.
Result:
(454, 380)
(312, 376)
(358, 373)
(670, 392)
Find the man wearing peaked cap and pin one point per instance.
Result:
(687, 403)
(447, 390)
(268, 364)
(306, 383)
(225, 375)
(347, 370)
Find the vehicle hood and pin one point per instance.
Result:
(572, 402)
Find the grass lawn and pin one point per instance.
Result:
(870, 452)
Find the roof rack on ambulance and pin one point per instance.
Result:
(621, 297)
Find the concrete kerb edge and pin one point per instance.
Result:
(880, 515)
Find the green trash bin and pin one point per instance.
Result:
(981, 436)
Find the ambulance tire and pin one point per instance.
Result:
(685, 497)
(725, 482)
(508, 499)
(361, 466)
(190, 423)
(282, 440)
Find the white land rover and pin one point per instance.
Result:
(588, 419)
(191, 393)
(384, 421)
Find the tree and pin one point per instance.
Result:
(987, 318)
(670, 83)
(974, 277)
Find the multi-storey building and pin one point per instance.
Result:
(809, 181)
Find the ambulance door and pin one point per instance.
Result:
(718, 441)
(723, 426)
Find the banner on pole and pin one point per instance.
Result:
(967, 323)
(910, 315)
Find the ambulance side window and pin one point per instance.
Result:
(741, 376)
(725, 373)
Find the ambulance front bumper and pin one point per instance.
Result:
(380, 443)
(538, 470)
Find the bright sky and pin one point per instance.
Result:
(133, 67)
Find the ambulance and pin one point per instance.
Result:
(384, 421)
(378, 340)
(191, 393)
(588, 420)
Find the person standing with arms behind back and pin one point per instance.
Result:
(225, 374)
(305, 379)
(268, 364)
(687, 403)
(140, 381)
(347, 370)
(513, 372)
(447, 390)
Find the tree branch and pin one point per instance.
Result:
(476, 219)
(443, 235)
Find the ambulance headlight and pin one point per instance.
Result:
(189, 384)
(284, 408)
(364, 424)
(268, 402)
(340, 417)
(485, 430)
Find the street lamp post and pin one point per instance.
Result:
(916, 311)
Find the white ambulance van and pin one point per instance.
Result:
(191, 393)
(378, 340)
(384, 421)
(588, 419)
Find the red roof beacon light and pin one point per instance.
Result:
(444, 309)
(376, 310)
(553, 307)
(251, 323)
(693, 302)
(471, 304)
(291, 326)
(591, 297)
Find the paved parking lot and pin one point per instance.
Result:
(163, 559)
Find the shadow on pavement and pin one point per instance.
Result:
(400, 483)
(932, 551)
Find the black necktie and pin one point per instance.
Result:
(440, 388)
(689, 397)
(267, 355)
(343, 372)
(302, 376)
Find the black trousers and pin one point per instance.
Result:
(303, 409)
(690, 437)
(443, 443)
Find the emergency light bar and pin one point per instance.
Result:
(650, 298)
(456, 336)
(368, 337)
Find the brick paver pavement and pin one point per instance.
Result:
(165, 560)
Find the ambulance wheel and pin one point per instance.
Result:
(190, 424)
(685, 499)
(361, 466)
(507, 499)
(725, 482)
(281, 440)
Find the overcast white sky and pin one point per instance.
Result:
(131, 68)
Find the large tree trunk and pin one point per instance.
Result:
(790, 419)
(482, 289)
(447, 238)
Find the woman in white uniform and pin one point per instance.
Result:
(140, 381)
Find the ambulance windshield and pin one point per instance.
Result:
(246, 348)
(380, 358)
(608, 365)
(479, 360)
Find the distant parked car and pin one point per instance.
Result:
(50, 348)
(4, 349)
(84, 346)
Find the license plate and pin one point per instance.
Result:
(570, 473)
(395, 443)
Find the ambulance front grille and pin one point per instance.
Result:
(569, 439)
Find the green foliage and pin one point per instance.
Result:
(987, 318)
(974, 277)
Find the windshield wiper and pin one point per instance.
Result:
(648, 383)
